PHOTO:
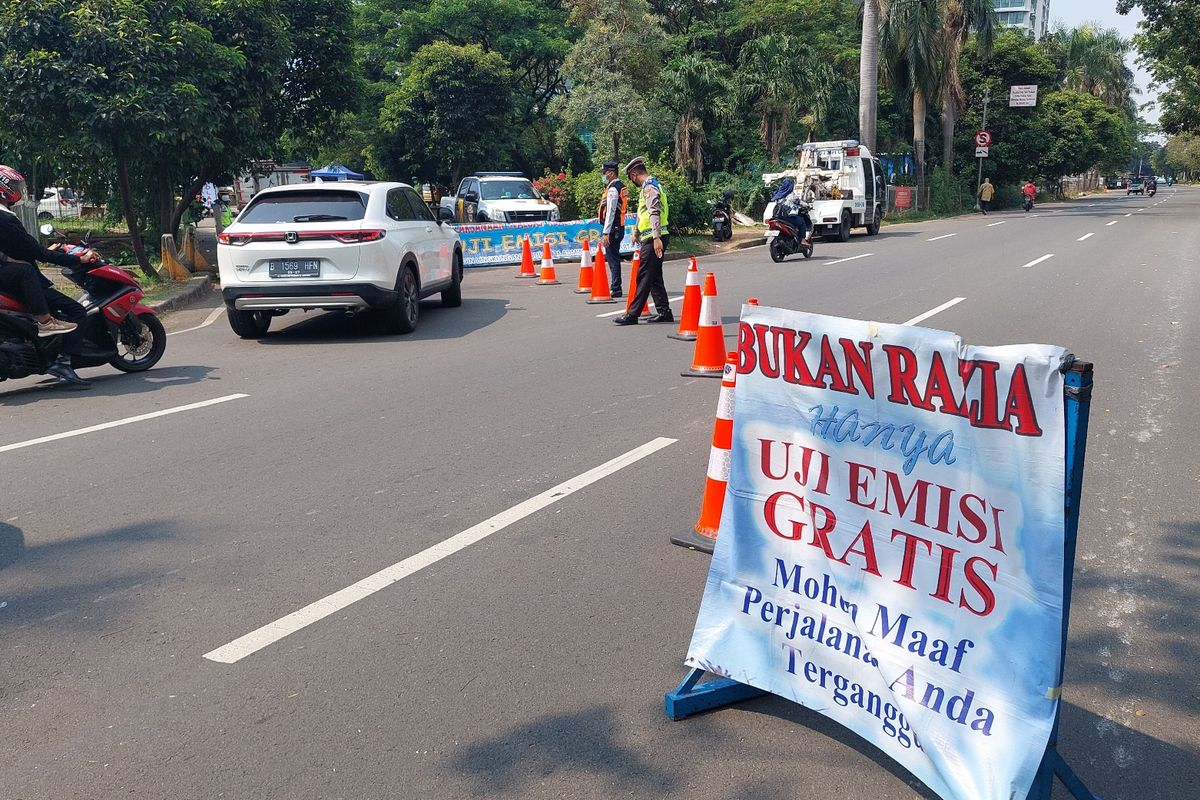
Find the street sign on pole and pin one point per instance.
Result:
(981, 152)
(983, 139)
(1022, 96)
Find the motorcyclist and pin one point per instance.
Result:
(792, 205)
(1029, 190)
(19, 275)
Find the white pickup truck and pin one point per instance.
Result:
(499, 197)
(853, 191)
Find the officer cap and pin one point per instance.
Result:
(637, 165)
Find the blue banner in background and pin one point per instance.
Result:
(500, 243)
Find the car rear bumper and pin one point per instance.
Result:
(331, 296)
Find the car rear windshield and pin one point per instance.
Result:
(319, 205)
(508, 190)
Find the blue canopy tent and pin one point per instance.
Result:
(336, 172)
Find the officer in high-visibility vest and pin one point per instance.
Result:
(650, 236)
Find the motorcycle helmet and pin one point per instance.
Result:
(12, 186)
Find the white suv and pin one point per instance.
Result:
(345, 246)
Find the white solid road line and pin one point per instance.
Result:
(269, 634)
(1130, 214)
(943, 236)
(1085, 237)
(994, 224)
(618, 312)
(851, 258)
(1114, 222)
(117, 423)
(1037, 261)
(932, 311)
(209, 320)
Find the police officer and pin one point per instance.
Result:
(650, 236)
(612, 217)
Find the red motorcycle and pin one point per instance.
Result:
(119, 330)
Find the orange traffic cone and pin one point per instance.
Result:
(689, 318)
(600, 291)
(633, 279)
(708, 360)
(585, 270)
(548, 276)
(703, 535)
(526, 260)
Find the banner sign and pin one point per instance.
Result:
(892, 543)
(1022, 96)
(486, 244)
(903, 197)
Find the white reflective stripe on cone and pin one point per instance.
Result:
(719, 463)
(725, 403)
(693, 277)
(709, 315)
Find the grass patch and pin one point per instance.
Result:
(691, 244)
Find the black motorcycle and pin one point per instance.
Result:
(783, 238)
(722, 218)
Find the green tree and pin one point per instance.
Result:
(165, 93)
(782, 81)
(868, 74)
(1169, 43)
(911, 42)
(959, 18)
(691, 87)
(448, 115)
(612, 69)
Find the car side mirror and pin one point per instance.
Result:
(444, 214)
(47, 229)
(471, 197)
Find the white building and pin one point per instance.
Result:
(1032, 16)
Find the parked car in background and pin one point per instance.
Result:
(343, 246)
(499, 197)
(58, 203)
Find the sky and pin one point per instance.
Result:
(1074, 12)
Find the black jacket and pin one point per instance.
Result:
(17, 245)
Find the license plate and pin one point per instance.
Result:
(294, 268)
(771, 234)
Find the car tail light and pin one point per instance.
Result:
(358, 237)
(240, 239)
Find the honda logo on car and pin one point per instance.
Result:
(291, 237)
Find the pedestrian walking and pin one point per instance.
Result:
(986, 192)
(612, 216)
(650, 235)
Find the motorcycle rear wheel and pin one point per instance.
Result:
(143, 353)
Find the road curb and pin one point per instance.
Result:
(182, 295)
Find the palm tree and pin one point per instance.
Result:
(782, 80)
(691, 85)
(911, 43)
(1092, 60)
(768, 85)
(868, 74)
(960, 18)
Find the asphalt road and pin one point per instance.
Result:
(530, 661)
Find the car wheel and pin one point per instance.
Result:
(45, 216)
(402, 317)
(777, 253)
(843, 233)
(873, 228)
(452, 297)
(248, 324)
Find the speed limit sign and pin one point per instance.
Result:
(983, 139)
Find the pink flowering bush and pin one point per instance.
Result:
(559, 188)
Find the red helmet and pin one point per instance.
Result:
(12, 186)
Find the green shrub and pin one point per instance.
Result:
(689, 210)
(559, 188)
(948, 193)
